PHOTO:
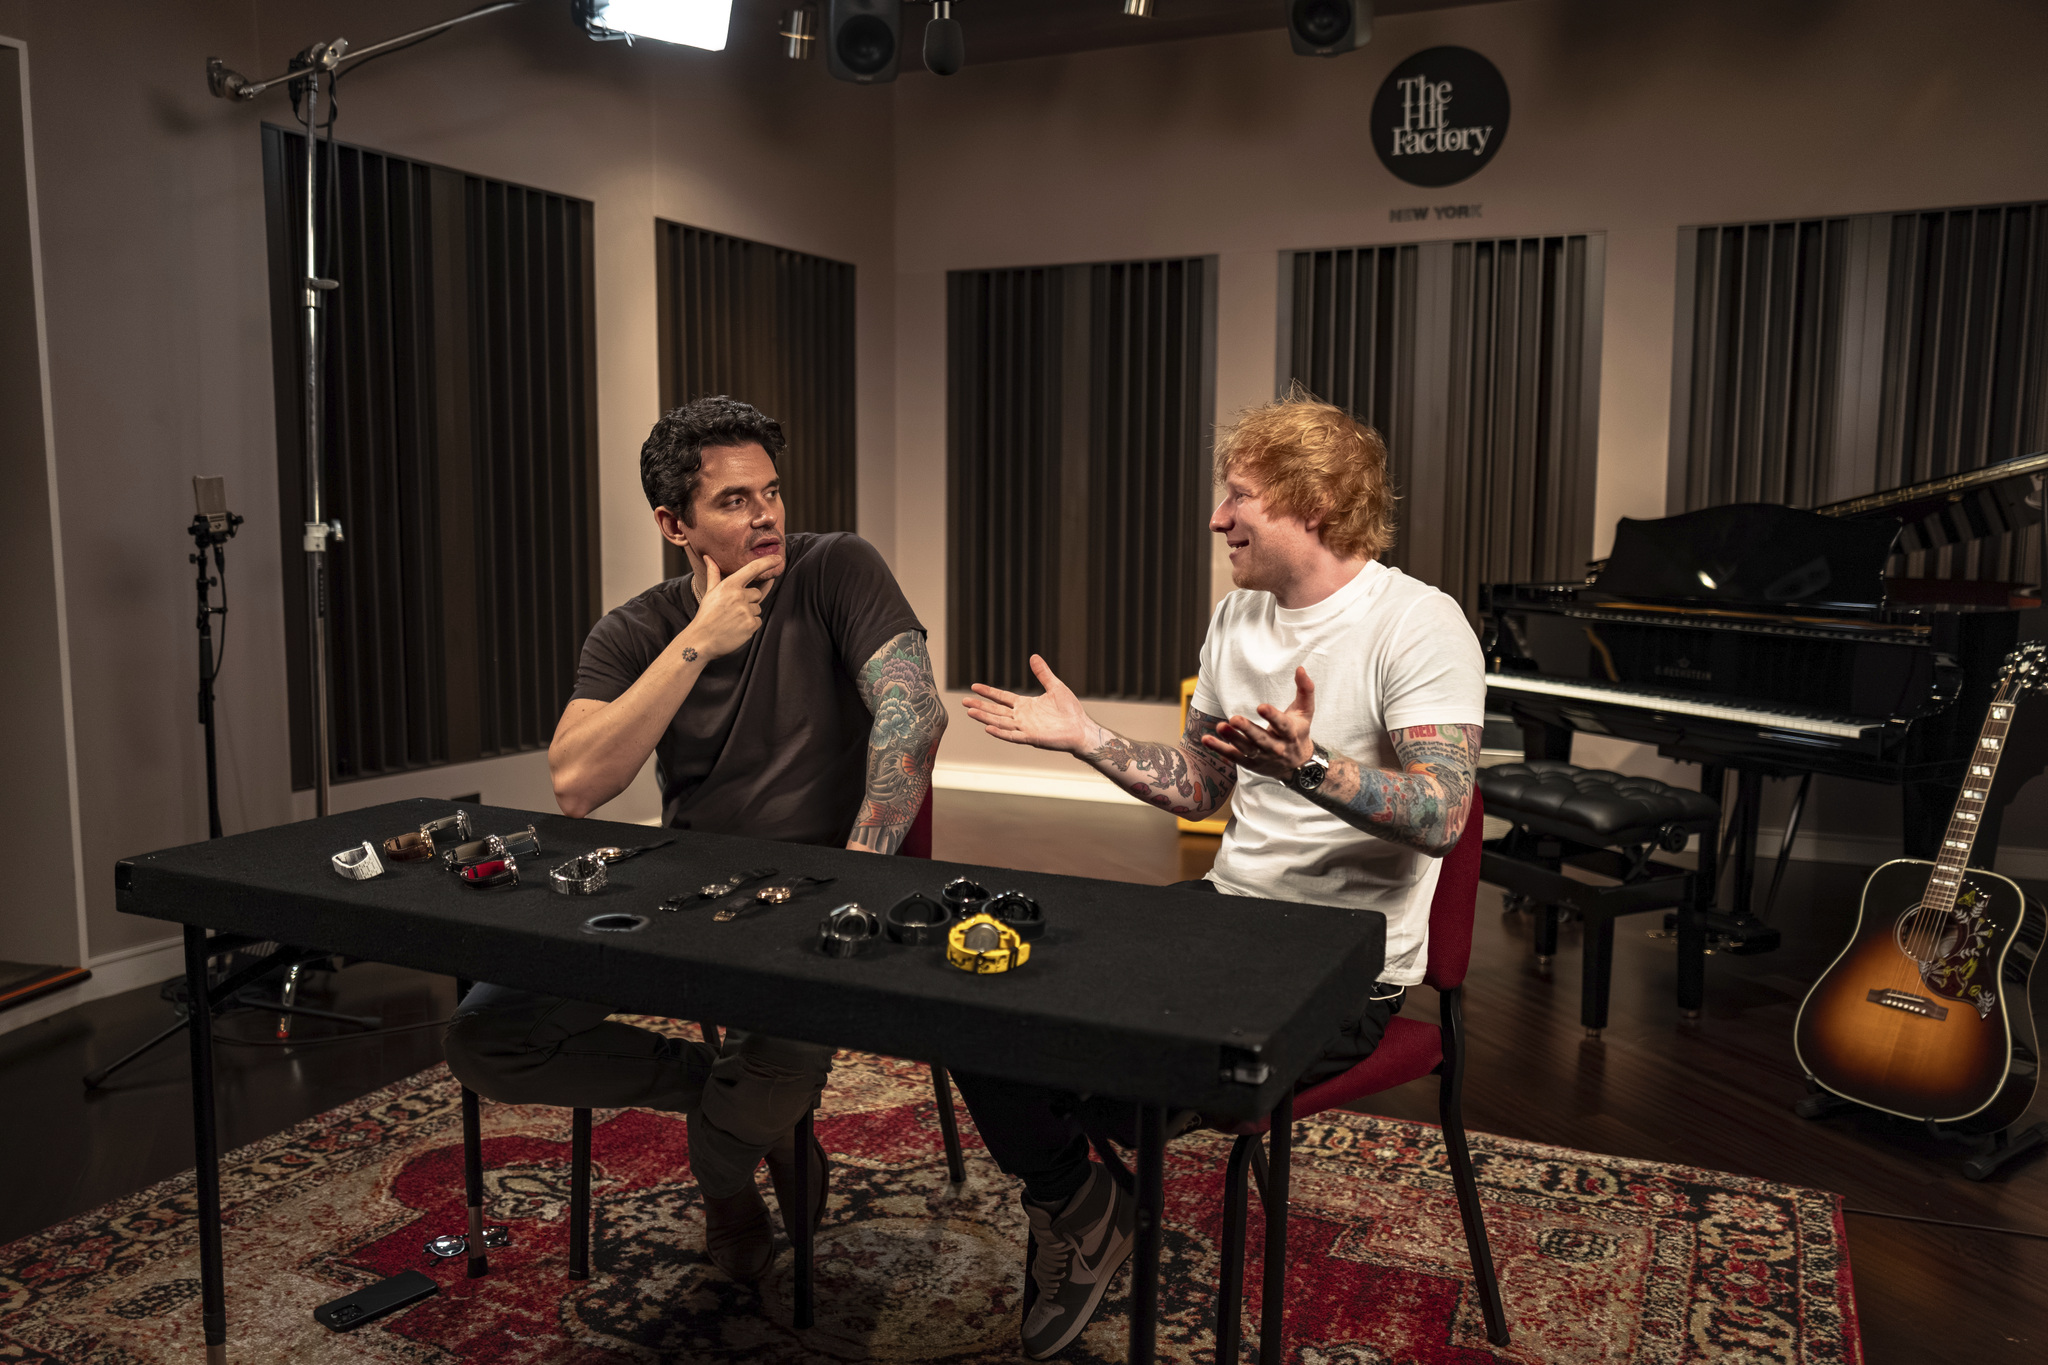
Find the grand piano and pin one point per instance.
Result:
(1774, 641)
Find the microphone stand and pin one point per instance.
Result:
(324, 58)
(211, 532)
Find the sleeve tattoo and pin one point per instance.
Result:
(903, 697)
(1425, 804)
(1183, 778)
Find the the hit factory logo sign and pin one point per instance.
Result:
(1440, 116)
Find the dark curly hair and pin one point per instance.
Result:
(672, 459)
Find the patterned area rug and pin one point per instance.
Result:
(1601, 1259)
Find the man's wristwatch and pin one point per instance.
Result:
(1309, 776)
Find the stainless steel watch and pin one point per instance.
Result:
(1309, 776)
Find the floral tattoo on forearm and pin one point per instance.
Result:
(1183, 778)
(1423, 806)
(903, 697)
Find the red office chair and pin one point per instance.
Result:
(1410, 1051)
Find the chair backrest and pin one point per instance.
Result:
(918, 842)
(1455, 903)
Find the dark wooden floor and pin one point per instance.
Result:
(65, 1150)
(1714, 1093)
(1717, 1092)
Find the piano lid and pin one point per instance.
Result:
(1752, 555)
(1981, 502)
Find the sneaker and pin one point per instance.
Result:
(1075, 1253)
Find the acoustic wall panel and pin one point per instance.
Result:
(1825, 359)
(1478, 362)
(458, 453)
(1080, 400)
(774, 328)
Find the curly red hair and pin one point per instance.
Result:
(1315, 461)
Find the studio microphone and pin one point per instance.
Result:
(945, 46)
(209, 492)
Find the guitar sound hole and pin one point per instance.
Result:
(1926, 935)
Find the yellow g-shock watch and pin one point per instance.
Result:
(983, 944)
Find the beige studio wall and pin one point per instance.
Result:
(159, 348)
(1629, 119)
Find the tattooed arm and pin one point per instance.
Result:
(1183, 777)
(1423, 806)
(898, 688)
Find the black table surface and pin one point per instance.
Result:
(1166, 996)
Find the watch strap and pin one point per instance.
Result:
(1017, 911)
(410, 847)
(848, 931)
(984, 945)
(917, 919)
(358, 864)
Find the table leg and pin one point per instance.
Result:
(206, 1151)
(1273, 1293)
(801, 1240)
(1151, 1212)
(579, 1194)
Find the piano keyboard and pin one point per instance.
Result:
(1615, 694)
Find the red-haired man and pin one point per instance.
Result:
(1369, 692)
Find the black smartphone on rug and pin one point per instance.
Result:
(367, 1304)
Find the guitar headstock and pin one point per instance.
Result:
(2026, 668)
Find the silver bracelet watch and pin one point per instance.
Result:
(1309, 776)
(582, 876)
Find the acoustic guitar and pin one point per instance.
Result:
(1925, 1013)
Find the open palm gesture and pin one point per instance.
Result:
(1055, 720)
(1278, 747)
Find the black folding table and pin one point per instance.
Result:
(1170, 998)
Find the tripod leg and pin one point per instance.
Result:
(94, 1078)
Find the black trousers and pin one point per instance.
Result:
(1040, 1135)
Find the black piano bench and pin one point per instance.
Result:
(1607, 824)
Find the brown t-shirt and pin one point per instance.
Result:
(772, 742)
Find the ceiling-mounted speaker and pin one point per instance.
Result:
(1324, 28)
(863, 39)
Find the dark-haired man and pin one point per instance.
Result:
(785, 692)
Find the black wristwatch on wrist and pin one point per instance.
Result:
(1309, 776)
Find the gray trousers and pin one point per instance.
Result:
(521, 1047)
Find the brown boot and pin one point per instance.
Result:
(782, 1173)
(737, 1235)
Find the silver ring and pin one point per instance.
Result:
(614, 923)
(582, 876)
(358, 864)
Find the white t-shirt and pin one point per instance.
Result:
(1386, 652)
